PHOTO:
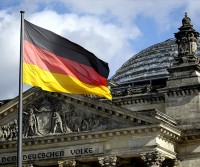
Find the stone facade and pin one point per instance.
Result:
(149, 123)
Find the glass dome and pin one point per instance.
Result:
(150, 63)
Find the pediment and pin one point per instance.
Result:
(47, 113)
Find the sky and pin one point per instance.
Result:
(114, 30)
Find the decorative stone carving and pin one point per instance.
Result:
(193, 44)
(186, 39)
(9, 131)
(145, 89)
(67, 163)
(119, 92)
(153, 159)
(56, 122)
(30, 121)
(131, 91)
(148, 89)
(171, 163)
(108, 161)
(27, 165)
(49, 115)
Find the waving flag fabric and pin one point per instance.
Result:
(58, 65)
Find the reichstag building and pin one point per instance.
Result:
(152, 121)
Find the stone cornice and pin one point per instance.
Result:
(171, 128)
(12, 105)
(166, 152)
(182, 67)
(189, 136)
(139, 99)
(105, 108)
(164, 131)
(188, 156)
(181, 91)
(155, 113)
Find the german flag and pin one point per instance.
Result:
(58, 65)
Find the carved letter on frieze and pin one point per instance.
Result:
(108, 161)
(153, 159)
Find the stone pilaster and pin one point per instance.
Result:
(153, 159)
(108, 161)
(67, 163)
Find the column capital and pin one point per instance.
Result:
(171, 163)
(153, 159)
(108, 161)
(125, 162)
(27, 165)
(67, 163)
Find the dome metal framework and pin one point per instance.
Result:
(149, 64)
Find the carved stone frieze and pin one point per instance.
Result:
(49, 115)
(9, 131)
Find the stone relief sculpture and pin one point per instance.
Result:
(13, 129)
(193, 44)
(183, 46)
(48, 116)
(56, 122)
(82, 121)
(186, 39)
(9, 131)
(30, 122)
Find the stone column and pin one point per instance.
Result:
(108, 161)
(67, 163)
(171, 163)
(153, 159)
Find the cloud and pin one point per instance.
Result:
(9, 46)
(127, 11)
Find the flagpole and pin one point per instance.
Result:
(20, 111)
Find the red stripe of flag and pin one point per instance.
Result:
(56, 64)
